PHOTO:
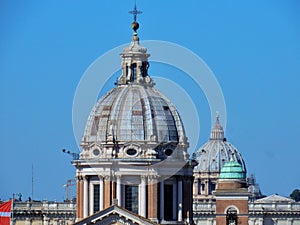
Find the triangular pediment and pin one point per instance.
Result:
(115, 215)
(275, 198)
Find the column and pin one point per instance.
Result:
(101, 193)
(152, 199)
(81, 197)
(91, 188)
(85, 197)
(143, 196)
(107, 191)
(138, 70)
(179, 188)
(174, 199)
(119, 190)
(78, 197)
(113, 189)
(162, 200)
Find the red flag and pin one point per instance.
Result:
(5, 212)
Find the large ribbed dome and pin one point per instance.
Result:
(134, 120)
(134, 112)
(213, 155)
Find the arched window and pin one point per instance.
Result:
(126, 70)
(231, 216)
(133, 72)
(144, 69)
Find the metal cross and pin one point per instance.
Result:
(135, 12)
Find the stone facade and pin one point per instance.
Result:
(43, 213)
(271, 210)
(265, 211)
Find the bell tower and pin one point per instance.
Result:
(232, 195)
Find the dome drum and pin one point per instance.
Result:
(133, 151)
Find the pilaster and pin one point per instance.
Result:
(79, 197)
(107, 192)
(152, 198)
(91, 198)
(101, 193)
(119, 195)
(85, 196)
(143, 196)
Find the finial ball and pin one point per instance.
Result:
(135, 26)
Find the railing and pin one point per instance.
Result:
(207, 207)
(204, 207)
(44, 206)
(274, 207)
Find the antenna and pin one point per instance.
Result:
(135, 12)
(32, 181)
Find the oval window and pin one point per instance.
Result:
(131, 152)
(96, 152)
(168, 152)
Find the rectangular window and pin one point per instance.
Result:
(168, 201)
(199, 187)
(213, 186)
(96, 197)
(131, 198)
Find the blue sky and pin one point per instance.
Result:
(253, 48)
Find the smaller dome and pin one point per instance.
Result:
(232, 170)
(213, 155)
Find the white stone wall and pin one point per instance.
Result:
(259, 213)
(43, 213)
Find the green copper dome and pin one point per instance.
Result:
(232, 170)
